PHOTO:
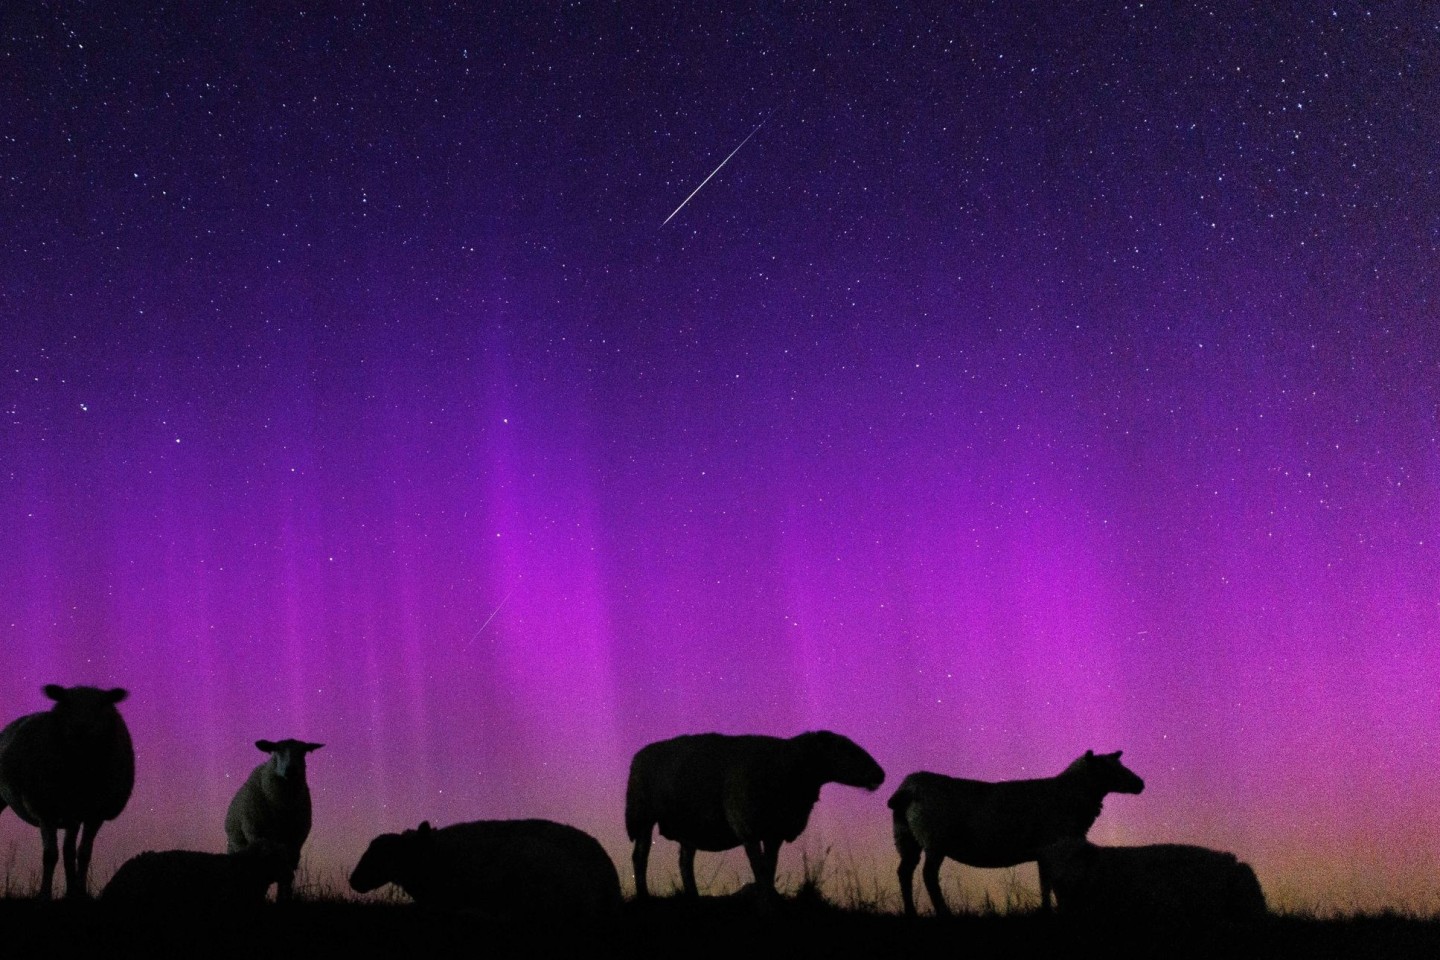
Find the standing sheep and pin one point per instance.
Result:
(274, 804)
(70, 768)
(505, 869)
(189, 878)
(1163, 881)
(998, 824)
(710, 791)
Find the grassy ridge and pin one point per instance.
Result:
(737, 926)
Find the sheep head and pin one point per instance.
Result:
(837, 759)
(287, 757)
(1108, 774)
(86, 713)
(391, 858)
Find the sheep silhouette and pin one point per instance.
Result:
(501, 869)
(1167, 881)
(69, 768)
(711, 791)
(983, 824)
(191, 878)
(274, 804)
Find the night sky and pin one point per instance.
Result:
(1039, 377)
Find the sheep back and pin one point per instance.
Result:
(987, 824)
(500, 868)
(714, 791)
(1154, 881)
(196, 879)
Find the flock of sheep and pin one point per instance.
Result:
(72, 768)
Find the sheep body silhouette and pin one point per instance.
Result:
(1160, 881)
(274, 804)
(503, 869)
(1000, 824)
(69, 768)
(712, 791)
(195, 879)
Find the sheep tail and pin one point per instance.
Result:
(636, 823)
(900, 800)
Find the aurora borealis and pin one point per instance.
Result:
(1039, 378)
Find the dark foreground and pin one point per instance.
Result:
(734, 927)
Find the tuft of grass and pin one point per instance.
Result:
(12, 886)
(812, 878)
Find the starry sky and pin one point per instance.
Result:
(1038, 377)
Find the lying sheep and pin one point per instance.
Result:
(710, 791)
(193, 879)
(1164, 881)
(274, 804)
(504, 869)
(998, 824)
(70, 768)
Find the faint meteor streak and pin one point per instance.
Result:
(717, 169)
(477, 633)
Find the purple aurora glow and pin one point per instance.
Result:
(1025, 385)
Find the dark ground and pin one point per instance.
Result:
(669, 927)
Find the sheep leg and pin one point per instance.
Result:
(762, 858)
(50, 855)
(1046, 890)
(930, 873)
(285, 888)
(73, 885)
(640, 859)
(909, 860)
(687, 871)
(82, 856)
(770, 854)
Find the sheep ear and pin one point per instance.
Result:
(1117, 753)
(311, 746)
(1089, 754)
(424, 828)
(54, 691)
(267, 745)
(117, 695)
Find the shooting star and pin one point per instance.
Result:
(717, 169)
(477, 633)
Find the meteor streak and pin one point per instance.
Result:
(476, 636)
(717, 169)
